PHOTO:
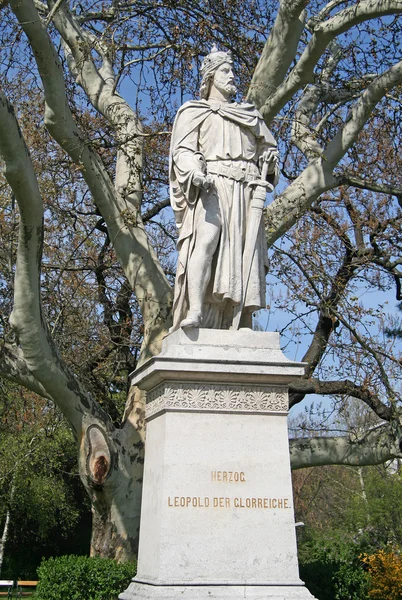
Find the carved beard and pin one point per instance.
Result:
(227, 89)
(231, 89)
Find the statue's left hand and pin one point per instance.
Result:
(271, 157)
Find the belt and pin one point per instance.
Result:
(239, 170)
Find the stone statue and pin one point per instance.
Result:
(222, 156)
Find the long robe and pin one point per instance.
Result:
(207, 134)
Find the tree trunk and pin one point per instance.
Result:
(6, 527)
(4, 538)
(111, 467)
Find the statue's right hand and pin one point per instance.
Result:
(202, 181)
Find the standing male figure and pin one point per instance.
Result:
(218, 147)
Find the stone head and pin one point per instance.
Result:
(216, 70)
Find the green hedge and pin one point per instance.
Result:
(331, 568)
(82, 578)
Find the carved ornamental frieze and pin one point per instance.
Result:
(216, 398)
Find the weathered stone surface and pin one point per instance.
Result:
(224, 501)
(217, 515)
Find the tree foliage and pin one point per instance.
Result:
(348, 513)
(40, 489)
(385, 569)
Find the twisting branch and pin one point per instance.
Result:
(373, 186)
(299, 388)
(324, 33)
(133, 248)
(40, 355)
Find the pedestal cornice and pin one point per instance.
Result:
(201, 355)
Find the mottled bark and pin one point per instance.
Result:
(378, 445)
(113, 479)
(110, 460)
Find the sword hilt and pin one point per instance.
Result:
(263, 181)
(260, 182)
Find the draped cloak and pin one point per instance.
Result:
(207, 134)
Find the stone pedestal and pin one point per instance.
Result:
(217, 515)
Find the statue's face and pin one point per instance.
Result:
(224, 80)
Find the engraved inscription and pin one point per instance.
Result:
(261, 503)
(221, 502)
(228, 476)
(225, 502)
(186, 501)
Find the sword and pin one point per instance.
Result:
(253, 225)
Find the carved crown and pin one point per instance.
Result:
(214, 59)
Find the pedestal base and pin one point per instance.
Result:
(142, 591)
(217, 517)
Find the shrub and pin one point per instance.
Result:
(385, 569)
(351, 581)
(82, 578)
(331, 569)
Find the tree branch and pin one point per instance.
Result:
(299, 388)
(364, 184)
(303, 135)
(378, 445)
(278, 52)
(99, 85)
(39, 351)
(155, 210)
(360, 113)
(297, 198)
(120, 330)
(13, 367)
(318, 176)
(361, 11)
(126, 231)
(324, 33)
